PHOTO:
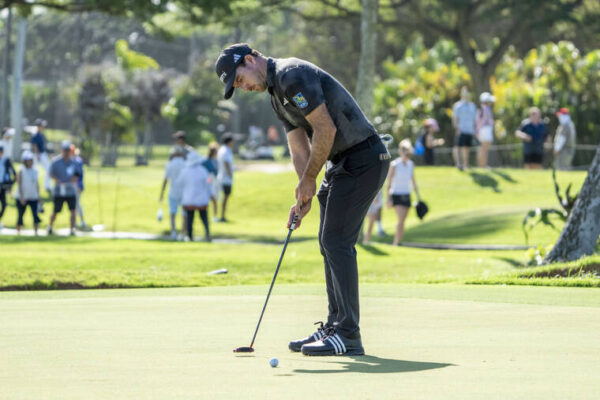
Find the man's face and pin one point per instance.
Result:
(248, 76)
(180, 142)
(40, 128)
(534, 117)
(66, 153)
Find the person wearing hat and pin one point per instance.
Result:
(534, 133)
(485, 127)
(194, 181)
(38, 146)
(564, 140)
(428, 140)
(173, 169)
(400, 180)
(225, 171)
(65, 172)
(28, 191)
(6, 141)
(7, 178)
(323, 124)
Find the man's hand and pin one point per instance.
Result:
(291, 216)
(305, 191)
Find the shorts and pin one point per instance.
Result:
(401, 200)
(486, 134)
(533, 158)
(174, 204)
(465, 140)
(226, 189)
(59, 200)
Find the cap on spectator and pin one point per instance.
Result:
(562, 111)
(8, 131)
(65, 145)
(486, 97)
(433, 123)
(179, 135)
(228, 137)
(40, 122)
(27, 155)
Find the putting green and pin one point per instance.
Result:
(423, 342)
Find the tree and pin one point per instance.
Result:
(366, 65)
(482, 30)
(580, 235)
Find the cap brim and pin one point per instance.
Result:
(229, 87)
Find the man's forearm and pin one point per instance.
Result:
(300, 161)
(320, 149)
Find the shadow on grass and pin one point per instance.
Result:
(485, 180)
(461, 228)
(373, 250)
(511, 261)
(504, 176)
(376, 365)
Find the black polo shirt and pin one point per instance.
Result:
(297, 87)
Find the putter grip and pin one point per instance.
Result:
(294, 220)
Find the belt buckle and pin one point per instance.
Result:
(384, 156)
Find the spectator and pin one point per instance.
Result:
(375, 209)
(7, 178)
(464, 114)
(400, 179)
(65, 172)
(172, 171)
(485, 127)
(38, 146)
(181, 145)
(28, 191)
(79, 161)
(225, 171)
(564, 140)
(194, 180)
(534, 133)
(212, 165)
(6, 142)
(430, 127)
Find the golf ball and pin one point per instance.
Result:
(274, 362)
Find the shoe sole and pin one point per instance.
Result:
(353, 352)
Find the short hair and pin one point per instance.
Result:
(227, 138)
(534, 110)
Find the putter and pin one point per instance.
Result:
(250, 349)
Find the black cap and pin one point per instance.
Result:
(179, 135)
(227, 62)
(40, 122)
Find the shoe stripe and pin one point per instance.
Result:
(333, 343)
(316, 336)
(340, 343)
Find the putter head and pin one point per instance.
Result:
(243, 350)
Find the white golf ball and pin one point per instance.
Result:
(274, 362)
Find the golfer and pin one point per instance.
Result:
(323, 123)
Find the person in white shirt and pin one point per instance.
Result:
(194, 180)
(225, 171)
(28, 191)
(400, 179)
(172, 171)
(6, 142)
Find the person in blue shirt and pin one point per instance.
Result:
(534, 133)
(38, 147)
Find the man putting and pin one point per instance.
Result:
(323, 123)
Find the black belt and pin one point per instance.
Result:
(365, 144)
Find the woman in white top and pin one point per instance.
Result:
(400, 179)
(28, 191)
(196, 190)
(485, 127)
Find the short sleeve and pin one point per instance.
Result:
(302, 88)
(523, 126)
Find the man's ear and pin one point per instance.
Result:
(249, 58)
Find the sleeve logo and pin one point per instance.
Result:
(300, 100)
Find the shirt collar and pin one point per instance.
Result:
(270, 74)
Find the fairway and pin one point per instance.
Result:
(422, 341)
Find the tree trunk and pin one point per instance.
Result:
(16, 104)
(5, 72)
(366, 65)
(579, 237)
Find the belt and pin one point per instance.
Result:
(365, 144)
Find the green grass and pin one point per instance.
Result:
(422, 343)
(477, 207)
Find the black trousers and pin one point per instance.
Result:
(33, 205)
(345, 195)
(190, 222)
(2, 201)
